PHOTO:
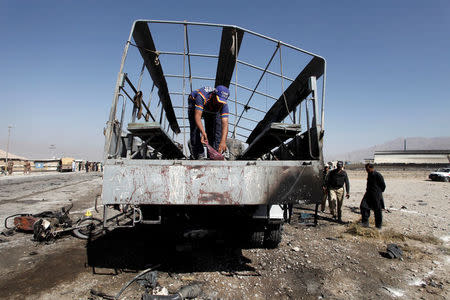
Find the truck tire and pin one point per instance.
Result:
(256, 239)
(446, 179)
(273, 235)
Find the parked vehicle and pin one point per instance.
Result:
(442, 174)
(65, 164)
(275, 142)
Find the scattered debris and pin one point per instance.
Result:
(8, 232)
(394, 251)
(186, 292)
(394, 292)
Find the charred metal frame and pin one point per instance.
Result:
(129, 181)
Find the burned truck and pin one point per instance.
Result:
(274, 156)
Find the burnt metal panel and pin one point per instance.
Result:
(296, 92)
(227, 54)
(272, 136)
(146, 46)
(157, 138)
(299, 148)
(166, 182)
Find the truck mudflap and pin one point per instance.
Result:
(203, 182)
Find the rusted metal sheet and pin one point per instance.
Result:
(210, 182)
(25, 223)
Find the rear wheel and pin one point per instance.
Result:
(446, 179)
(273, 235)
(88, 227)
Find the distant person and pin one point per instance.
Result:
(373, 198)
(210, 104)
(87, 166)
(26, 167)
(101, 166)
(335, 182)
(79, 166)
(10, 167)
(74, 164)
(325, 191)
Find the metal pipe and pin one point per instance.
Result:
(244, 136)
(256, 92)
(261, 69)
(184, 90)
(193, 77)
(233, 83)
(189, 57)
(7, 145)
(191, 54)
(216, 56)
(141, 76)
(112, 113)
(322, 117)
(232, 26)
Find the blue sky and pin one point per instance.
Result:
(388, 65)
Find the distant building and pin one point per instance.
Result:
(412, 157)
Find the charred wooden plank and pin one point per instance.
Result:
(295, 94)
(228, 54)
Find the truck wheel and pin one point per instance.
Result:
(273, 235)
(446, 179)
(256, 239)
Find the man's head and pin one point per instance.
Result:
(339, 165)
(370, 167)
(222, 94)
(326, 167)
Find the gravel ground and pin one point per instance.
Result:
(329, 261)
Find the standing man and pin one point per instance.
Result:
(211, 105)
(336, 180)
(373, 198)
(325, 192)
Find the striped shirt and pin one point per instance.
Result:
(201, 99)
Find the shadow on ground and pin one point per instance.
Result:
(144, 246)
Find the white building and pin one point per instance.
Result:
(412, 157)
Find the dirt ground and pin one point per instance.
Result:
(328, 261)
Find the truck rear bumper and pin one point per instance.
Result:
(196, 182)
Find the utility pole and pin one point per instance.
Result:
(7, 145)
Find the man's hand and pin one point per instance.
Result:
(222, 147)
(204, 138)
(347, 196)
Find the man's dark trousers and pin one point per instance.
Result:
(366, 205)
(213, 128)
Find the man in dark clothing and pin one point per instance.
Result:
(335, 182)
(373, 198)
